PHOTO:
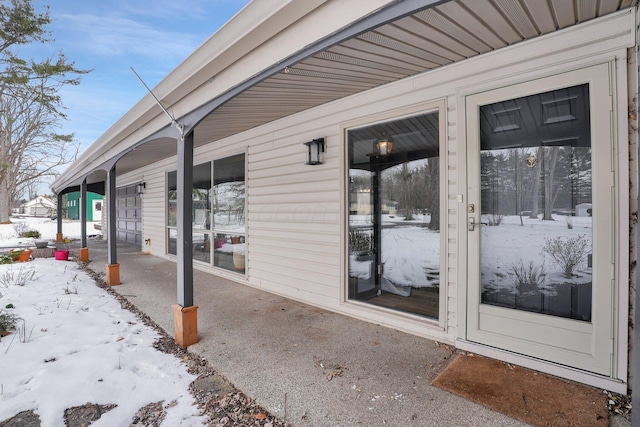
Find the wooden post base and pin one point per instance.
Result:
(58, 237)
(84, 254)
(113, 274)
(185, 320)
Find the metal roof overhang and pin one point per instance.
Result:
(402, 39)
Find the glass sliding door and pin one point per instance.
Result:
(394, 214)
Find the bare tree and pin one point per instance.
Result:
(431, 190)
(30, 147)
(31, 108)
(406, 191)
(535, 193)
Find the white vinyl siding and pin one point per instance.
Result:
(295, 213)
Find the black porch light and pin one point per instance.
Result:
(140, 188)
(314, 148)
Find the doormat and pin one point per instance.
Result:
(530, 396)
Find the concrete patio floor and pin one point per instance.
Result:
(308, 366)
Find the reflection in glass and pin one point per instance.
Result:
(394, 215)
(536, 187)
(228, 196)
(219, 207)
(201, 205)
(229, 251)
(201, 247)
(172, 241)
(172, 199)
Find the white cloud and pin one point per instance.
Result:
(108, 36)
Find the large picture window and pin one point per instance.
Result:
(394, 214)
(217, 215)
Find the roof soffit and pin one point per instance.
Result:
(445, 33)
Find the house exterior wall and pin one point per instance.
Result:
(40, 206)
(73, 204)
(296, 214)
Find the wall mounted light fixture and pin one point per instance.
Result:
(140, 188)
(314, 148)
(384, 147)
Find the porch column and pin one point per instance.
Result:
(84, 251)
(184, 312)
(113, 268)
(59, 219)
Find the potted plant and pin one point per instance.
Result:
(20, 255)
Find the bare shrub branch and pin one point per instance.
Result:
(18, 278)
(527, 277)
(567, 253)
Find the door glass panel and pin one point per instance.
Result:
(394, 215)
(536, 201)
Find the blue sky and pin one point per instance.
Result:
(109, 36)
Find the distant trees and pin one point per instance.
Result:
(31, 108)
(415, 186)
(535, 180)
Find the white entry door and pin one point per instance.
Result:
(541, 219)
(97, 210)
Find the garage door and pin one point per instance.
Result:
(129, 215)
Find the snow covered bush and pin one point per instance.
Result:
(20, 228)
(526, 277)
(360, 242)
(31, 233)
(8, 321)
(493, 219)
(567, 253)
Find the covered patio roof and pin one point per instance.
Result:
(396, 40)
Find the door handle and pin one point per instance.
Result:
(472, 224)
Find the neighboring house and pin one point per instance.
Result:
(39, 206)
(506, 123)
(94, 204)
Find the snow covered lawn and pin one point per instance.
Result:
(75, 344)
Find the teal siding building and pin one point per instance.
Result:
(94, 206)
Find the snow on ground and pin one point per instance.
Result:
(75, 344)
(507, 244)
(9, 233)
(409, 252)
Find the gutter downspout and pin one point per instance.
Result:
(635, 338)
